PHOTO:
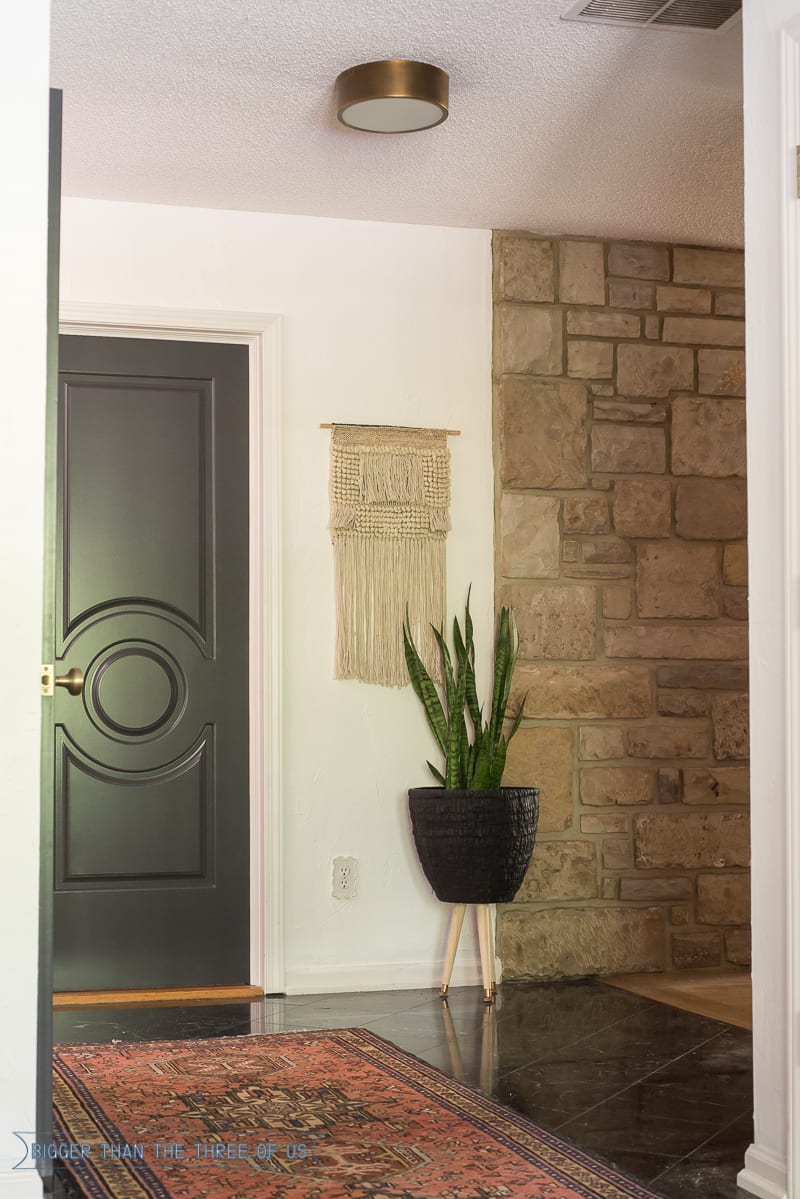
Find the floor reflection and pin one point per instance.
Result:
(664, 1094)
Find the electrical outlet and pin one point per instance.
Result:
(345, 877)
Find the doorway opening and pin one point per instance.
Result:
(260, 335)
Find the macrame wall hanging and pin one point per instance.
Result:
(390, 513)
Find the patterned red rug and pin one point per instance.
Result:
(314, 1115)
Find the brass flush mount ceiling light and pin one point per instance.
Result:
(393, 96)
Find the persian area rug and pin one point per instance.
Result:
(316, 1115)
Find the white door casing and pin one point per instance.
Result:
(261, 333)
(772, 263)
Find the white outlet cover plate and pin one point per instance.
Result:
(344, 878)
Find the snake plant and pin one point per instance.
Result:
(473, 763)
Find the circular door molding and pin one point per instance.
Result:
(135, 691)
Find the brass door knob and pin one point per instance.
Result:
(72, 680)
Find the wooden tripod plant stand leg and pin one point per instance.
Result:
(483, 912)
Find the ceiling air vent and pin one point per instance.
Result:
(709, 16)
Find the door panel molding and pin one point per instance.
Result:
(198, 867)
(202, 622)
(261, 333)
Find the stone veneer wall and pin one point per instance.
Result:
(621, 525)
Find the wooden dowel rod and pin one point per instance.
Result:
(449, 432)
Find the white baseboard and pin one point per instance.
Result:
(20, 1184)
(764, 1174)
(378, 976)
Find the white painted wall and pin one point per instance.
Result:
(383, 324)
(768, 200)
(24, 36)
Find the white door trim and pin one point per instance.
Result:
(261, 333)
(773, 342)
(790, 105)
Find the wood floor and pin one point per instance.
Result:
(137, 998)
(724, 995)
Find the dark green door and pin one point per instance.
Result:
(151, 885)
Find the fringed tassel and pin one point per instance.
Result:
(391, 477)
(343, 516)
(373, 575)
(390, 495)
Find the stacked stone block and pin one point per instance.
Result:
(621, 546)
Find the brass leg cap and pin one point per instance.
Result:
(443, 989)
(488, 996)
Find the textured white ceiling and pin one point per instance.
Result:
(554, 127)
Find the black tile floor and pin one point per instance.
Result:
(663, 1094)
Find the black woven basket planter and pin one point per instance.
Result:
(474, 846)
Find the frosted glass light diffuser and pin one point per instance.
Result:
(393, 96)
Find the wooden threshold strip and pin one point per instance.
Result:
(156, 997)
(721, 994)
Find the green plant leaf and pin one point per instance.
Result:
(512, 620)
(501, 687)
(498, 766)
(473, 704)
(458, 642)
(518, 718)
(458, 734)
(468, 630)
(476, 761)
(464, 773)
(447, 670)
(462, 679)
(425, 690)
(482, 772)
(470, 772)
(437, 774)
(475, 711)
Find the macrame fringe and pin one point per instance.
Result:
(373, 578)
(390, 497)
(392, 476)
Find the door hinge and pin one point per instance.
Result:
(48, 679)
